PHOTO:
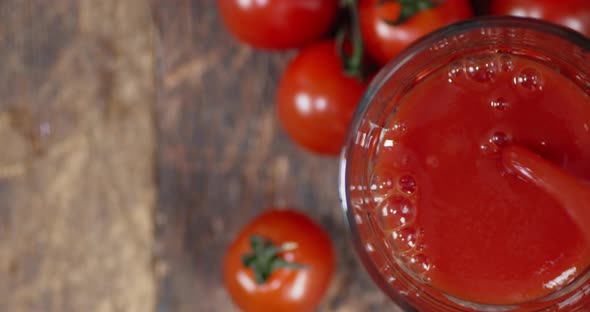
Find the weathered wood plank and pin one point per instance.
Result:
(76, 167)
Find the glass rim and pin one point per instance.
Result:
(401, 60)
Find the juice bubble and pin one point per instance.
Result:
(419, 264)
(500, 104)
(398, 129)
(394, 212)
(382, 185)
(402, 240)
(505, 63)
(486, 149)
(407, 184)
(500, 139)
(529, 79)
(494, 143)
(481, 69)
(454, 69)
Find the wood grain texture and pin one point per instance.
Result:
(77, 163)
(223, 159)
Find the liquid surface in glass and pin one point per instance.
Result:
(448, 208)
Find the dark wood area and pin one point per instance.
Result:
(223, 158)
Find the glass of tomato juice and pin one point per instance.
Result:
(438, 221)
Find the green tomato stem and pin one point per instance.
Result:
(353, 64)
(264, 259)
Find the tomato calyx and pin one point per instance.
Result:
(265, 259)
(407, 9)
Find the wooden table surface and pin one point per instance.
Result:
(137, 139)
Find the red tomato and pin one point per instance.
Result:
(384, 40)
(307, 249)
(278, 24)
(574, 14)
(316, 100)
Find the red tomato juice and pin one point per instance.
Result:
(449, 208)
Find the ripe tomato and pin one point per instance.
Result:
(316, 100)
(278, 24)
(574, 14)
(299, 251)
(384, 38)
